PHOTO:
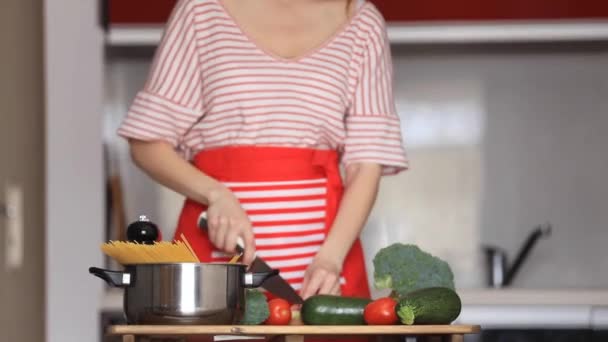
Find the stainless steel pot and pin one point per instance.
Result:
(183, 293)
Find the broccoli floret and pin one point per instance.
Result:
(256, 308)
(406, 268)
(406, 314)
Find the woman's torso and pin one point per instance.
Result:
(251, 96)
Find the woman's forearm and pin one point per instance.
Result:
(160, 161)
(361, 188)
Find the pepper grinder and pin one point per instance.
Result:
(143, 231)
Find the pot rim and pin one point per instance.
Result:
(224, 264)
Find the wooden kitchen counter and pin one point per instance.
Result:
(454, 333)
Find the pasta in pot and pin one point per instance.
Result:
(129, 253)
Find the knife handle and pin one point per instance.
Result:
(204, 225)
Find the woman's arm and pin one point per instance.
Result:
(160, 161)
(361, 188)
(227, 220)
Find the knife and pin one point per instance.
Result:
(275, 285)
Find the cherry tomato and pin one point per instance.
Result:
(280, 312)
(381, 312)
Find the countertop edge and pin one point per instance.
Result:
(597, 297)
(425, 33)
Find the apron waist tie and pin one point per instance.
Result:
(328, 161)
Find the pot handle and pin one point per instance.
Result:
(113, 278)
(253, 280)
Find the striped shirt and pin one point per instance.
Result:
(211, 85)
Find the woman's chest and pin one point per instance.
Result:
(251, 98)
(250, 82)
(288, 29)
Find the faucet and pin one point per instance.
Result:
(499, 274)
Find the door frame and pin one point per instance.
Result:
(74, 168)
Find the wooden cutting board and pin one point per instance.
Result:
(266, 330)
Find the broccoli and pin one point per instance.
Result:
(406, 268)
(256, 308)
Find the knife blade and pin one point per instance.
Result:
(275, 285)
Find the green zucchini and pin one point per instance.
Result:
(333, 310)
(435, 305)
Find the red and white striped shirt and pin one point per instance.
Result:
(211, 85)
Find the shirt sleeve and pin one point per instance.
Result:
(171, 100)
(373, 129)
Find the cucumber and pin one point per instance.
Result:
(333, 310)
(435, 305)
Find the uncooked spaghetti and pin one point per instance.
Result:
(130, 253)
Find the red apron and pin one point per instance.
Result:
(291, 196)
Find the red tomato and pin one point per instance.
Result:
(280, 312)
(381, 312)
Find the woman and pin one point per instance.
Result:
(265, 98)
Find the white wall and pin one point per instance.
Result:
(546, 156)
(541, 156)
(74, 170)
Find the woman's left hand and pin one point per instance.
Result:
(322, 277)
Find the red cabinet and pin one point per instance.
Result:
(157, 11)
(139, 11)
(471, 10)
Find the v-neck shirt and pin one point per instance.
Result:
(210, 86)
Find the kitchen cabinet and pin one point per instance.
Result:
(542, 335)
(415, 21)
(157, 11)
(132, 11)
(479, 10)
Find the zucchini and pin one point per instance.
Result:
(333, 310)
(435, 305)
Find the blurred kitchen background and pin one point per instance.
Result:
(504, 109)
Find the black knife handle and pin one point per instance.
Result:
(204, 225)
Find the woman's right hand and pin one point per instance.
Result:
(227, 221)
(225, 217)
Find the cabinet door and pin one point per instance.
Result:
(157, 11)
(139, 11)
(441, 10)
